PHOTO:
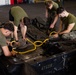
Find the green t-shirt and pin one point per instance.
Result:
(2, 41)
(68, 20)
(59, 3)
(18, 13)
(52, 12)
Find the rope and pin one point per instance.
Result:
(35, 44)
(27, 50)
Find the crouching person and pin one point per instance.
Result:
(5, 53)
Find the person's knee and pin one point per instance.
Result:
(65, 36)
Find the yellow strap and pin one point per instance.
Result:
(34, 44)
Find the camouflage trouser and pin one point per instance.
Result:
(69, 36)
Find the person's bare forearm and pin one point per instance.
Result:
(6, 51)
(15, 33)
(55, 20)
(64, 32)
(23, 31)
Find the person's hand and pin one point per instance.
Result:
(17, 43)
(13, 53)
(8, 42)
(52, 26)
(24, 38)
(55, 35)
(14, 44)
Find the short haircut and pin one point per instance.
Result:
(9, 26)
(60, 10)
(26, 21)
(48, 3)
